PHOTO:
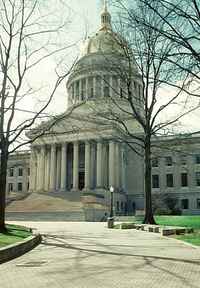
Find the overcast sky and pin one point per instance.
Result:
(85, 20)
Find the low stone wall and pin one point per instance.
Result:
(15, 250)
(164, 231)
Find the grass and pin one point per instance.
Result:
(193, 238)
(180, 221)
(14, 234)
(183, 221)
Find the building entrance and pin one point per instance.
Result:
(81, 183)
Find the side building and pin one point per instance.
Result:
(176, 171)
(18, 173)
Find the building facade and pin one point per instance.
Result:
(18, 173)
(84, 152)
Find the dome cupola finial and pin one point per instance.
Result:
(105, 17)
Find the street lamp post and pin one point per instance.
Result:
(111, 200)
(111, 218)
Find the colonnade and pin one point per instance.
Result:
(51, 169)
(100, 86)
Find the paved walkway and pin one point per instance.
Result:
(84, 255)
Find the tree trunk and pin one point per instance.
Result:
(148, 219)
(3, 174)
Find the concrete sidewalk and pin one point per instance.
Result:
(84, 255)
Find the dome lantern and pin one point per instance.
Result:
(105, 18)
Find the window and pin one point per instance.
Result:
(169, 178)
(10, 187)
(198, 203)
(154, 162)
(19, 186)
(155, 181)
(184, 179)
(198, 178)
(20, 172)
(184, 203)
(122, 206)
(11, 172)
(197, 158)
(183, 159)
(168, 161)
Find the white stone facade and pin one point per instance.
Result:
(18, 173)
(84, 151)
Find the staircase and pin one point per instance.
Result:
(54, 206)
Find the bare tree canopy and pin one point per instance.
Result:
(153, 62)
(31, 34)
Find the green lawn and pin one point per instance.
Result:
(14, 234)
(193, 238)
(181, 221)
(186, 221)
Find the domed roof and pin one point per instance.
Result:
(105, 40)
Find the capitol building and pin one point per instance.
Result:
(84, 151)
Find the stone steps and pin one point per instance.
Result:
(71, 216)
(41, 202)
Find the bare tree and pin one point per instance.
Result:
(180, 25)
(27, 40)
(144, 71)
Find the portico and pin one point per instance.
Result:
(79, 165)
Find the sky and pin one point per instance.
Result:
(84, 20)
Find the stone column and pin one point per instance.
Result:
(87, 165)
(95, 86)
(119, 87)
(102, 86)
(117, 166)
(58, 168)
(37, 169)
(80, 90)
(53, 168)
(42, 168)
(123, 163)
(32, 177)
(111, 86)
(92, 166)
(47, 167)
(75, 166)
(63, 166)
(112, 163)
(99, 164)
(86, 88)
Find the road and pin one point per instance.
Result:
(84, 255)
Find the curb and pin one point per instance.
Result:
(18, 249)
